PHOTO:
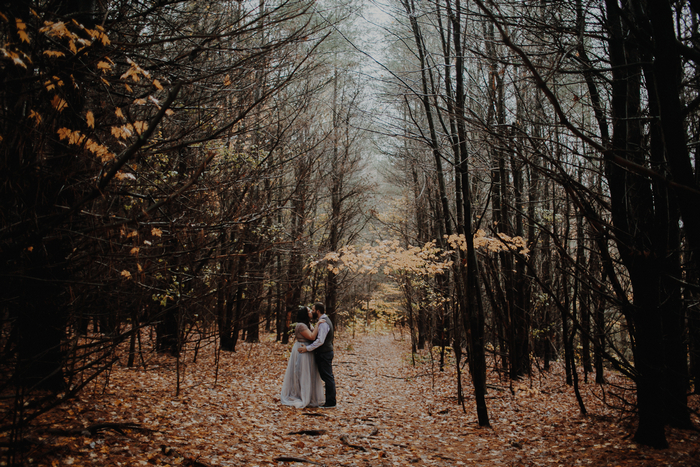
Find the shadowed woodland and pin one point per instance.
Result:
(508, 189)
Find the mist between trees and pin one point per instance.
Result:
(198, 170)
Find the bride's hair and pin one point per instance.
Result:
(303, 316)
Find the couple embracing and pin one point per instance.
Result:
(311, 362)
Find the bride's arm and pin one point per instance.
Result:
(311, 335)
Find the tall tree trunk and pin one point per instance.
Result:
(632, 214)
(295, 277)
(583, 297)
(669, 140)
(521, 324)
(474, 305)
(41, 322)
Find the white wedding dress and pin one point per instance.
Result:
(302, 385)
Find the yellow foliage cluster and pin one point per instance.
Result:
(71, 37)
(22, 31)
(134, 72)
(128, 130)
(76, 138)
(15, 56)
(389, 257)
(59, 30)
(503, 242)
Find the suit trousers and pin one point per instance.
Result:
(324, 362)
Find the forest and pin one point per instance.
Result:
(507, 187)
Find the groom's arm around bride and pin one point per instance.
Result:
(322, 348)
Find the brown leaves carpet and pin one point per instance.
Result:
(390, 413)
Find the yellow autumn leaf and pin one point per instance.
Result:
(58, 103)
(131, 72)
(118, 113)
(92, 146)
(140, 127)
(156, 232)
(169, 112)
(76, 138)
(141, 101)
(64, 133)
(122, 132)
(104, 66)
(128, 88)
(53, 53)
(104, 39)
(126, 274)
(157, 84)
(35, 116)
(134, 251)
(90, 117)
(4, 17)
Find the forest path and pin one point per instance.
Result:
(382, 396)
(402, 414)
(389, 413)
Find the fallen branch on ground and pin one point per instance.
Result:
(296, 459)
(374, 432)
(94, 429)
(308, 432)
(346, 440)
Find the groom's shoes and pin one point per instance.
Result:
(328, 406)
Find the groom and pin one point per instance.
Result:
(322, 348)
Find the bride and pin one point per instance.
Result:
(302, 385)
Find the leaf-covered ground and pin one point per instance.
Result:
(389, 414)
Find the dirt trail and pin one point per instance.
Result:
(389, 413)
(377, 395)
(395, 412)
